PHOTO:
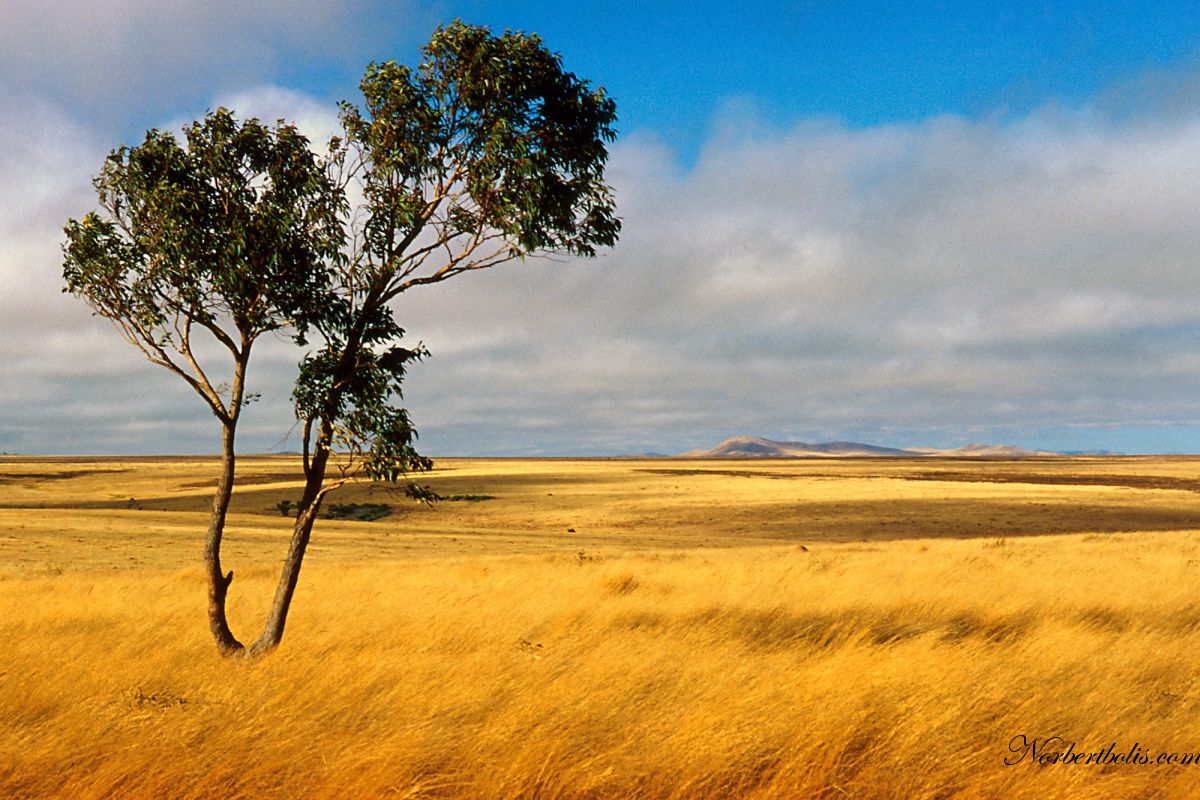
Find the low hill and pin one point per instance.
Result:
(758, 447)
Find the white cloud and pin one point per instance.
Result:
(69, 382)
(121, 58)
(944, 280)
(952, 272)
(315, 119)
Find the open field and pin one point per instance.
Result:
(623, 628)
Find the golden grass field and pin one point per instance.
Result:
(609, 629)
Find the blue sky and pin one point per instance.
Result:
(905, 224)
(675, 64)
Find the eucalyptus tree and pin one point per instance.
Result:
(207, 245)
(488, 151)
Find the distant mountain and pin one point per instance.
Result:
(758, 447)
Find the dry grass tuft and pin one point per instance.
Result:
(620, 585)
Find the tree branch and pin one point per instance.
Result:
(455, 267)
(185, 349)
(141, 338)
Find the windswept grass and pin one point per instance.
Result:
(880, 669)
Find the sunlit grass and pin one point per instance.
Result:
(894, 668)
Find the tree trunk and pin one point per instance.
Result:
(218, 582)
(310, 504)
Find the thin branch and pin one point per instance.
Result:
(185, 349)
(442, 242)
(140, 338)
(221, 336)
(455, 266)
(329, 487)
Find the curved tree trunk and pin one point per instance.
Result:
(218, 582)
(273, 631)
(310, 504)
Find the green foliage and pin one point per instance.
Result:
(487, 151)
(239, 224)
(488, 139)
(232, 232)
(358, 403)
(359, 512)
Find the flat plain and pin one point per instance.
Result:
(611, 628)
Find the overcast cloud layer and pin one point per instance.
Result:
(1025, 280)
(115, 62)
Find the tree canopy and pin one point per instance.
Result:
(230, 233)
(486, 152)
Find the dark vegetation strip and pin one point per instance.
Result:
(274, 477)
(1128, 481)
(58, 476)
(732, 473)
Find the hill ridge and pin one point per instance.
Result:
(761, 447)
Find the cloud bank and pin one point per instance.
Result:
(928, 283)
(939, 281)
(122, 62)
